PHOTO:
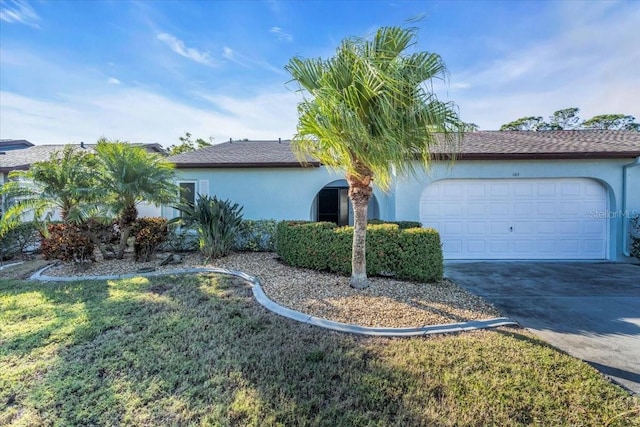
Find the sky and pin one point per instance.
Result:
(149, 71)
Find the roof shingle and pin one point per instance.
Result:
(23, 158)
(475, 145)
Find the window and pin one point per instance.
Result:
(187, 192)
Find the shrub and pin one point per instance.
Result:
(413, 253)
(256, 236)
(106, 233)
(403, 225)
(19, 240)
(149, 234)
(67, 243)
(217, 222)
(635, 236)
(180, 239)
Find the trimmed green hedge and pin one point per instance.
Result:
(403, 225)
(412, 253)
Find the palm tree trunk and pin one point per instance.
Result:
(359, 193)
(124, 236)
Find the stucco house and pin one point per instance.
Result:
(507, 195)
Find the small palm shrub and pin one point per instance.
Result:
(66, 242)
(149, 234)
(217, 222)
(635, 236)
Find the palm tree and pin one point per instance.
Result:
(63, 183)
(129, 175)
(371, 109)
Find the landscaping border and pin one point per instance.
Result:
(274, 307)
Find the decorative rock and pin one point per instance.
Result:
(145, 270)
(171, 259)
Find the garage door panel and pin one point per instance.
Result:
(476, 190)
(549, 209)
(546, 190)
(499, 247)
(523, 246)
(567, 209)
(522, 208)
(499, 228)
(499, 190)
(570, 189)
(476, 246)
(500, 209)
(545, 227)
(522, 189)
(590, 228)
(477, 208)
(453, 228)
(476, 228)
(518, 218)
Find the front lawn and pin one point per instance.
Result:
(197, 350)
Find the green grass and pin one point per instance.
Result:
(197, 350)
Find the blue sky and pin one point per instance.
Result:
(147, 71)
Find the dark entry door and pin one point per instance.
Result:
(333, 205)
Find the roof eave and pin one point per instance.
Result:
(540, 156)
(245, 165)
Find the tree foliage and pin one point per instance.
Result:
(187, 144)
(129, 175)
(567, 119)
(89, 189)
(612, 122)
(62, 183)
(368, 108)
(524, 123)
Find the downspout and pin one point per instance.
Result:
(625, 220)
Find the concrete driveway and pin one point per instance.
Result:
(589, 310)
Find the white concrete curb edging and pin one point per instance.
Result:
(271, 305)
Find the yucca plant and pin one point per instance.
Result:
(217, 221)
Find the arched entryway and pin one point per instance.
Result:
(332, 204)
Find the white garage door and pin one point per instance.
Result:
(517, 218)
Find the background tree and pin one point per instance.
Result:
(129, 175)
(524, 123)
(368, 108)
(612, 122)
(565, 119)
(469, 127)
(187, 144)
(62, 183)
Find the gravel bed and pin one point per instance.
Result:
(386, 303)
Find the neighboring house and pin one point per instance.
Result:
(22, 157)
(508, 195)
(13, 144)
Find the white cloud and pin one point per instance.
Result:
(113, 81)
(280, 34)
(591, 63)
(179, 47)
(137, 115)
(245, 61)
(18, 11)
